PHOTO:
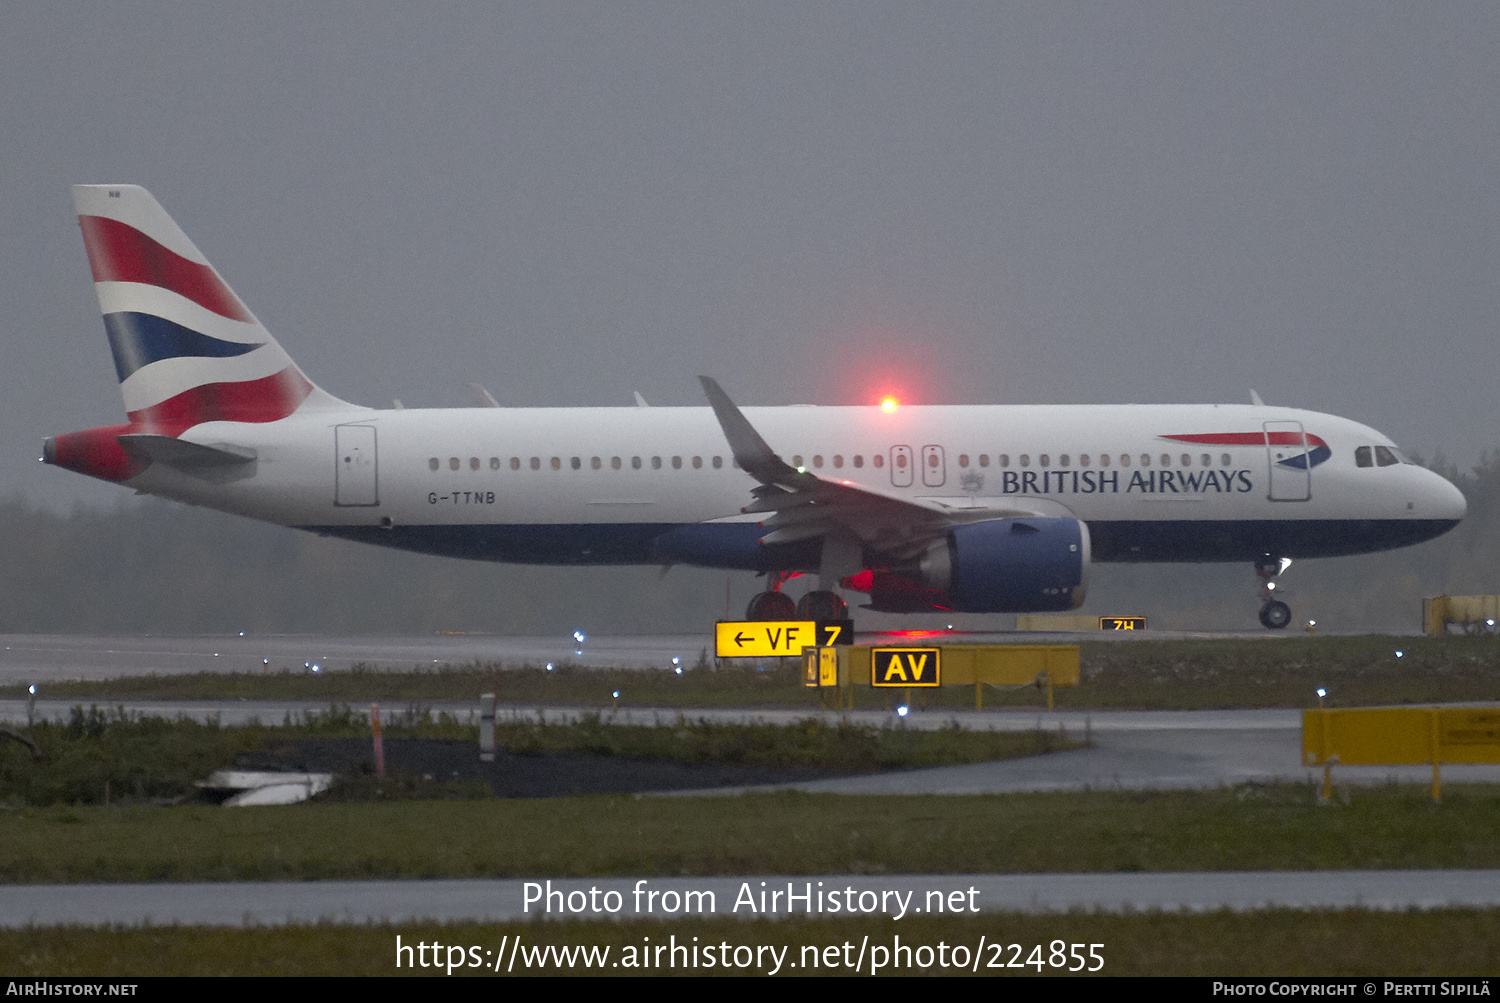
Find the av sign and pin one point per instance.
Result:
(902, 667)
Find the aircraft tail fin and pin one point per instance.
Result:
(185, 347)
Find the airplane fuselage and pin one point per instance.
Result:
(979, 509)
(659, 485)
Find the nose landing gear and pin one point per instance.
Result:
(1274, 614)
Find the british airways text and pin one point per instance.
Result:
(1084, 482)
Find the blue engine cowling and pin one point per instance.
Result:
(1011, 566)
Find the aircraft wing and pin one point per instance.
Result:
(804, 506)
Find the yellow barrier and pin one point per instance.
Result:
(1468, 611)
(962, 665)
(1397, 736)
(1054, 622)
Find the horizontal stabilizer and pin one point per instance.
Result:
(218, 462)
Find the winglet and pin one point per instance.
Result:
(750, 451)
(480, 397)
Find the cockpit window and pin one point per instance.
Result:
(1362, 457)
(1385, 457)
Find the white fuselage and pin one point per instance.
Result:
(994, 508)
(642, 470)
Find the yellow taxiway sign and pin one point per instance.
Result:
(763, 638)
(906, 667)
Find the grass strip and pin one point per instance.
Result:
(98, 756)
(1208, 674)
(809, 743)
(1281, 827)
(1287, 672)
(1283, 943)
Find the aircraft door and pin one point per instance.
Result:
(1288, 461)
(934, 466)
(901, 472)
(355, 467)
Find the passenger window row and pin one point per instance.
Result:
(576, 463)
(857, 461)
(1003, 460)
(1104, 460)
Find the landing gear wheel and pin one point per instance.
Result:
(821, 606)
(770, 606)
(1275, 615)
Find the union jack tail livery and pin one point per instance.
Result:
(186, 349)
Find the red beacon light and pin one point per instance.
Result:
(889, 405)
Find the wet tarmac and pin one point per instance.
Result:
(245, 904)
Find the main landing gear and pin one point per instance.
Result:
(773, 604)
(822, 606)
(1275, 614)
(816, 605)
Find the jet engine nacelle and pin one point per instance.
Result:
(1011, 566)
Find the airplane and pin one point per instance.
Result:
(979, 509)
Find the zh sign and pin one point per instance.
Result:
(905, 667)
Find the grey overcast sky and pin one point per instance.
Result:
(815, 202)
